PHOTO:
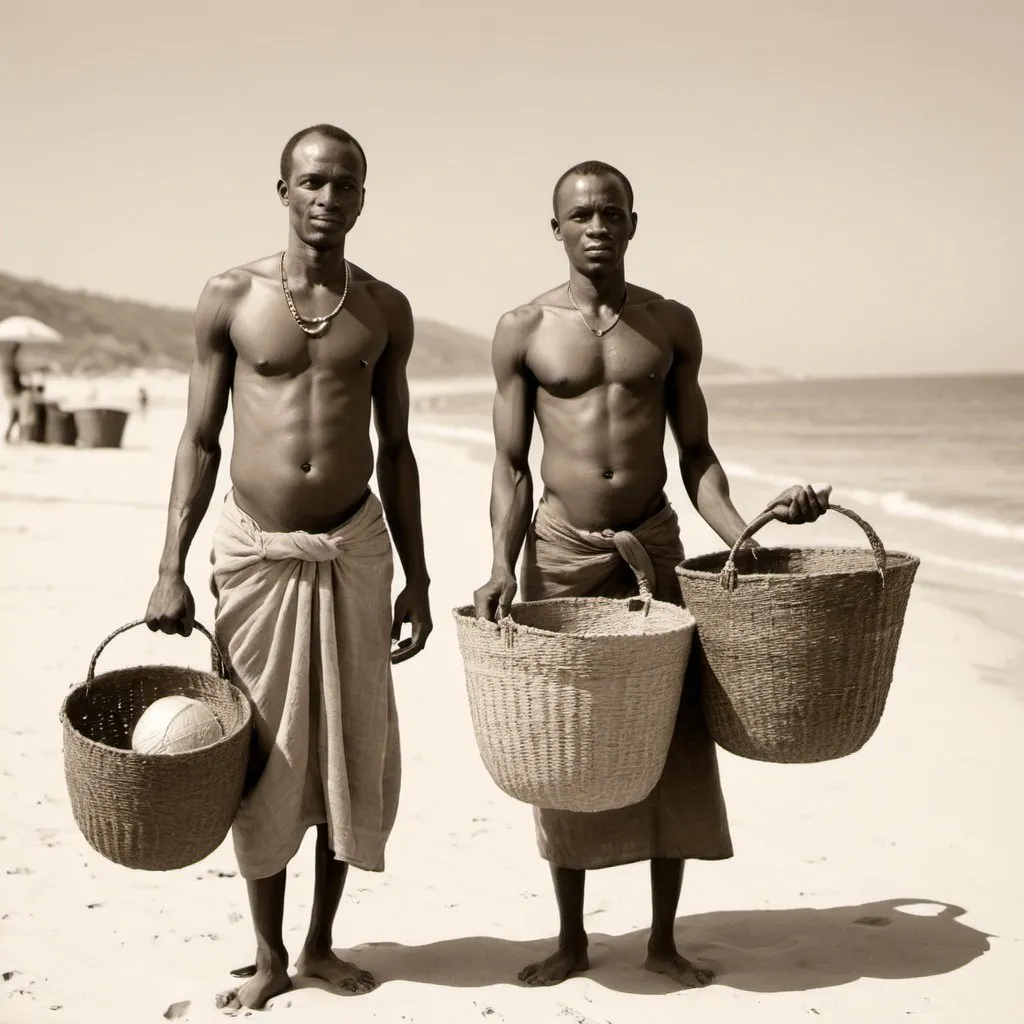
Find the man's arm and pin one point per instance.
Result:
(198, 456)
(703, 475)
(511, 481)
(397, 472)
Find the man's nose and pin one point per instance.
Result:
(329, 197)
(597, 227)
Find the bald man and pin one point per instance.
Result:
(307, 346)
(603, 367)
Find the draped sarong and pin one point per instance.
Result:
(684, 817)
(304, 621)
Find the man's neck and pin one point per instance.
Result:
(604, 292)
(304, 264)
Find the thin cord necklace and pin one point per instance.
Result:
(593, 330)
(314, 326)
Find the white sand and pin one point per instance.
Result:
(885, 886)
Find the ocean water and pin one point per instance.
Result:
(939, 459)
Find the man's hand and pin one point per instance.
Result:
(496, 595)
(413, 606)
(171, 607)
(801, 504)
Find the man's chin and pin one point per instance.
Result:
(325, 240)
(603, 267)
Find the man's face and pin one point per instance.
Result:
(324, 192)
(594, 222)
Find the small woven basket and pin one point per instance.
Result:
(574, 700)
(797, 645)
(155, 812)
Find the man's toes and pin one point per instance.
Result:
(228, 1000)
(703, 975)
(354, 980)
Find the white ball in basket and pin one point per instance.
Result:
(173, 725)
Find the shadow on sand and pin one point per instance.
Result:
(761, 951)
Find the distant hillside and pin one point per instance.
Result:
(105, 334)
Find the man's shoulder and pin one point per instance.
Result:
(640, 296)
(516, 325)
(234, 284)
(527, 316)
(386, 295)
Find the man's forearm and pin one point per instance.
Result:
(399, 480)
(708, 488)
(192, 486)
(511, 506)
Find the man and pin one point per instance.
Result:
(11, 386)
(306, 345)
(603, 367)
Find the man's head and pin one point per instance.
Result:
(323, 176)
(594, 218)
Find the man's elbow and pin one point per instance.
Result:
(516, 464)
(699, 453)
(202, 441)
(394, 449)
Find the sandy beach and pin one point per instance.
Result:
(884, 886)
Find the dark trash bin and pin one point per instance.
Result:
(100, 428)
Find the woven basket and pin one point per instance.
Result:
(156, 812)
(797, 645)
(574, 700)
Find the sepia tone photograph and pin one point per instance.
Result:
(511, 514)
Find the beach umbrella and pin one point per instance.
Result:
(24, 330)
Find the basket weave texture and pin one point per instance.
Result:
(574, 700)
(155, 812)
(797, 646)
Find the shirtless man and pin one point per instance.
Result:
(604, 367)
(306, 346)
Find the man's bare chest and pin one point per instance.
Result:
(567, 359)
(267, 338)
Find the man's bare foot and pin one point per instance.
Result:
(557, 967)
(335, 971)
(266, 983)
(679, 969)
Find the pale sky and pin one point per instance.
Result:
(832, 185)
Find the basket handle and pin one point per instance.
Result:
(728, 577)
(219, 664)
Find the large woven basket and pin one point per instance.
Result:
(156, 812)
(797, 645)
(574, 700)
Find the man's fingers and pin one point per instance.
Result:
(816, 504)
(406, 649)
(799, 510)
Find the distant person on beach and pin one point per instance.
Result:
(604, 366)
(12, 386)
(142, 396)
(308, 346)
